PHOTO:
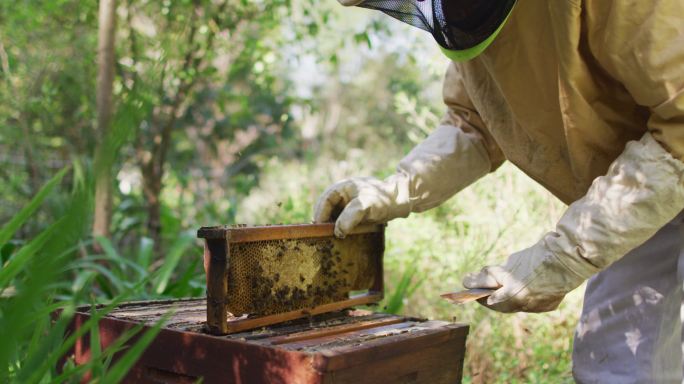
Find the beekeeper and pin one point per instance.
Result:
(587, 98)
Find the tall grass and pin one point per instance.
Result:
(54, 272)
(35, 285)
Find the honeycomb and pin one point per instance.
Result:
(275, 276)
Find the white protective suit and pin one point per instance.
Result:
(586, 97)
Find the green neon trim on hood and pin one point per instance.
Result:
(470, 53)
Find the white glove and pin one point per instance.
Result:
(363, 200)
(444, 163)
(642, 191)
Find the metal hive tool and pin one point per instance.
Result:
(282, 272)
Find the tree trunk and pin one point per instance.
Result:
(105, 80)
(152, 151)
(152, 186)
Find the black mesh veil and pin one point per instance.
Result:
(455, 24)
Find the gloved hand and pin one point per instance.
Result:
(642, 191)
(363, 199)
(532, 280)
(443, 164)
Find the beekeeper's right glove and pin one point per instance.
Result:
(447, 161)
(642, 191)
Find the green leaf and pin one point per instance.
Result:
(17, 263)
(126, 362)
(48, 337)
(182, 287)
(103, 361)
(145, 253)
(63, 348)
(115, 267)
(95, 347)
(404, 289)
(107, 247)
(9, 229)
(164, 273)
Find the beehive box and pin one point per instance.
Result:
(350, 346)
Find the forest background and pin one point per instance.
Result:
(224, 112)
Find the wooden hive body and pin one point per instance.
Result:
(338, 347)
(311, 337)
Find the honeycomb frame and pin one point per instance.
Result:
(288, 271)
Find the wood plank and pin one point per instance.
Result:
(216, 263)
(156, 311)
(352, 339)
(330, 331)
(329, 319)
(257, 322)
(278, 232)
(432, 332)
(468, 295)
(438, 364)
(143, 304)
(379, 282)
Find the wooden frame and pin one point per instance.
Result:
(218, 241)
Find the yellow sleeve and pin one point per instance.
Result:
(641, 44)
(461, 113)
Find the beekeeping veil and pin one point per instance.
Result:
(462, 28)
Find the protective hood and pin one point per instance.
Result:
(462, 28)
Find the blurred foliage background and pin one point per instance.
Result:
(223, 112)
